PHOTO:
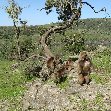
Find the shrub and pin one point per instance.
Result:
(74, 43)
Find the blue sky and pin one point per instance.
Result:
(35, 17)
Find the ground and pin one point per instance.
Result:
(36, 95)
(71, 97)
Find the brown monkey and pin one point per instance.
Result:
(58, 62)
(63, 70)
(60, 73)
(51, 64)
(54, 62)
(69, 64)
(84, 68)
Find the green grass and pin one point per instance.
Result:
(11, 82)
(98, 102)
(64, 85)
(84, 104)
(102, 61)
(99, 79)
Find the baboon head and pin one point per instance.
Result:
(83, 56)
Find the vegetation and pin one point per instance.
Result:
(101, 59)
(14, 11)
(12, 83)
(32, 34)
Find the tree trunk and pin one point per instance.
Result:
(47, 51)
(17, 29)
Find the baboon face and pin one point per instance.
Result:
(69, 64)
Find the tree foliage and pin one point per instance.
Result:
(74, 43)
(65, 8)
(13, 10)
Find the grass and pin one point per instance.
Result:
(11, 82)
(97, 104)
(99, 79)
(102, 61)
(64, 85)
(84, 105)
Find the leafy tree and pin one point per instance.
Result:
(69, 11)
(65, 8)
(14, 11)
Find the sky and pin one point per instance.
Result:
(36, 17)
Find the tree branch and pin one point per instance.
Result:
(103, 9)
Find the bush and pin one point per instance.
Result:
(8, 48)
(26, 47)
(32, 67)
(74, 43)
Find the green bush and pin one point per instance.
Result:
(26, 47)
(8, 48)
(5, 49)
(31, 67)
(74, 43)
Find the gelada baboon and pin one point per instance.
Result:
(69, 64)
(61, 73)
(54, 62)
(51, 64)
(84, 68)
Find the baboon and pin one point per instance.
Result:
(56, 66)
(58, 62)
(84, 68)
(60, 74)
(69, 64)
(51, 64)
(54, 62)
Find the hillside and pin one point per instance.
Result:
(94, 31)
